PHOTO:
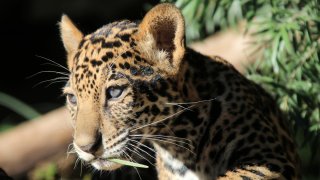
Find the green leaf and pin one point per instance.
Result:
(274, 55)
(18, 106)
(286, 38)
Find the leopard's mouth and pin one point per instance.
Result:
(116, 148)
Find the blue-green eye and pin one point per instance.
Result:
(114, 92)
(72, 99)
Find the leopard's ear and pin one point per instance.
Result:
(71, 37)
(160, 37)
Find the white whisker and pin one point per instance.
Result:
(76, 163)
(140, 144)
(53, 79)
(139, 149)
(136, 152)
(159, 135)
(166, 141)
(187, 108)
(54, 72)
(195, 102)
(161, 120)
(54, 63)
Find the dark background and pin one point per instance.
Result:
(29, 28)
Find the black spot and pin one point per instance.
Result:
(81, 44)
(97, 40)
(193, 132)
(229, 97)
(127, 65)
(144, 111)
(262, 138)
(245, 177)
(117, 44)
(244, 130)
(278, 148)
(181, 133)
(249, 114)
(166, 111)
(133, 44)
(138, 58)
(256, 172)
(155, 110)
(141, 86)
(231, 137)
(151, 97)
(237, 122)
(273, 167)
(95, 63)
(256, 124)
(76, 56)
(252, 137)
(270, 156)
(129, 54)
(111, 44)
(283, 160)
(219, 87)
(191, 116)
(113, 66)
(217, 137)
(234, 105)
(161, 86)
(270, 139)
(108, 56)
(134, 71)
(126, 55)
(124, 37)
(121, 65)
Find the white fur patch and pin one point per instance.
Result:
(149, 49)
(175, 164)
(83, 155)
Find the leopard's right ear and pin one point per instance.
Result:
(71, 37)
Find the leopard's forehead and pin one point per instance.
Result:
(100, 53)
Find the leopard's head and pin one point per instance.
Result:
(121, 78)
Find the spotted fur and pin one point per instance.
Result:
(213, 122)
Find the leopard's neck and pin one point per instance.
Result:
(189, 127)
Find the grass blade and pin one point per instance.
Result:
(128, 163)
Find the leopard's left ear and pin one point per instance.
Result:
(71, 37)
(160, 37)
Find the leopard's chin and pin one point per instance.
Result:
(102, 164)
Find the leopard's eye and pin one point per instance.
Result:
(72, 99)
(114, 92)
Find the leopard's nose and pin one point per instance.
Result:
(90, 146)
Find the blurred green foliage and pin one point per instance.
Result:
(18, 107)
(46, 172)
